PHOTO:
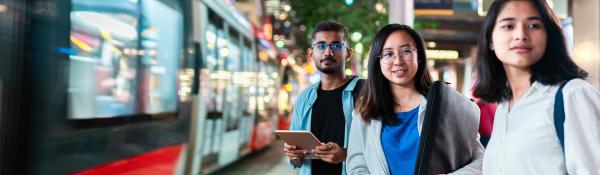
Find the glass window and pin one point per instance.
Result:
(219, 78)
(233, 99)
(161, 45)
(122, 64)
(103, 64)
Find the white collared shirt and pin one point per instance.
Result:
(524, 140)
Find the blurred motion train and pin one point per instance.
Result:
(130, 87)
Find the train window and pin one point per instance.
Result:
(219, 78)
(233, 99)
(215, 20)
(233, 58)
(161, 36)
(103, 66)
(211, 50)
(124, 58)
(249, 60)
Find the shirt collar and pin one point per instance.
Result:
(350, 87)
(537, 86)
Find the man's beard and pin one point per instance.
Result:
(328, 70)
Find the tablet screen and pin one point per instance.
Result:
(301, 139)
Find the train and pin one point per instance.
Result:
(132, 87)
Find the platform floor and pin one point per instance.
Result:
(269, 161)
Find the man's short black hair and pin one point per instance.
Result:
(329, 26)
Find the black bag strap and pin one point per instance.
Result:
(559, 115)
(357, 88)
(424, 143)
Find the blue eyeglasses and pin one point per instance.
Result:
(333, 46)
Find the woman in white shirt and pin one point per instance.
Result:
(523, 59)
(385, 131)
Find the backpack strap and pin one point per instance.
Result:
(559, 115)
(357, 88)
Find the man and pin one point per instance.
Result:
(325, 108)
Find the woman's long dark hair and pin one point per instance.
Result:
(554, 67)
(377, 101)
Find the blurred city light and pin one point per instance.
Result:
(431, 44)
(442, 54)
(356, 36)
(379, 8)
(224, 52)
(283, 16)
(2, 8)
(358, 48)
(288, 87)
(106, 22)
(348, 71)
(287, 8)
(291, 59)
(348, 2)
(263, 56)
(81, 44)
(280, 44)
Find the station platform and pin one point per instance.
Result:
(269, 161)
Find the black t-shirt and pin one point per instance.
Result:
(327, 124)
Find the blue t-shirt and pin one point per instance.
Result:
(401, 143)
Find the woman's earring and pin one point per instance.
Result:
(491, 46)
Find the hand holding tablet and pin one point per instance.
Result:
(302, 140)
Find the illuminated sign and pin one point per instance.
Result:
(442, 54)
(268, 29)
(433, 7)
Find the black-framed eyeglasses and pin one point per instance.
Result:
(407, 54)
(336, 47)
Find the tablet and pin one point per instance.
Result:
(301, 139)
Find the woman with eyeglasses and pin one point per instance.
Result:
(385, 131)
(548, 118)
